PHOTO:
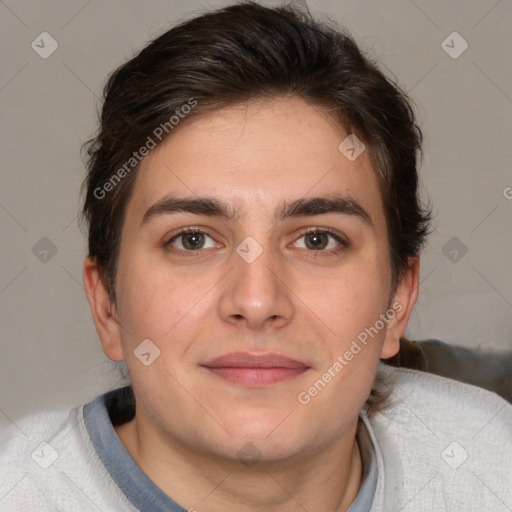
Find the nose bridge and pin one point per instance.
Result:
(254, 294)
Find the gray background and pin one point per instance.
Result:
(50, 354)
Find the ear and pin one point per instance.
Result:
(402, 304)
(103, 311)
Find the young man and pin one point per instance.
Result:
(254, 239)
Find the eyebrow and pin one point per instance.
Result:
(303, 207)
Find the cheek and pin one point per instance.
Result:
(351, 308)
(349, 301)
(155, 303)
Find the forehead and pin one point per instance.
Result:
(255, 156)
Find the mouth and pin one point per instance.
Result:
(255, 370)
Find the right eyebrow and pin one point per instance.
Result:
(198, 205)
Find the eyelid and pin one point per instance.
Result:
(339, 237)
(187, 229)
(183, 231)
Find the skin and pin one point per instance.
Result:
(308, 304)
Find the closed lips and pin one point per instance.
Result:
(247, 360)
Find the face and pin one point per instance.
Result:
(251, 238)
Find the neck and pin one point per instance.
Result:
(328, 479)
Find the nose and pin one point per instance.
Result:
(255, 293)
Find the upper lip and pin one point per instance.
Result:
(248, 360)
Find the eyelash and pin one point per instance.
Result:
(343, 244)
(184, 231)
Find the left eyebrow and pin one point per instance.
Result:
(303, 207)
(323, 205)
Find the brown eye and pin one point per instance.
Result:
(321, 241)
(192, 241)
(316, 241)
(188, 241)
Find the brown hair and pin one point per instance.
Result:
(235, 54)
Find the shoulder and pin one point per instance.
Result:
(47, 462)
(429, 384)
(21, 436)
(28, 450)
(443, 443)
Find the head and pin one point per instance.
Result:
(233, 126)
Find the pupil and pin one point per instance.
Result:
(316, 240)
(193, 240)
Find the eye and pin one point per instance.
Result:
(320, 240)
(191, 240)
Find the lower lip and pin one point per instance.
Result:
(256, 376)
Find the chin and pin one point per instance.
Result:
(269, 437)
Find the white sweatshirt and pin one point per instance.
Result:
(440, 446)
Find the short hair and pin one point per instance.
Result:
(233, 55)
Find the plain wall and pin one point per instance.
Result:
(50, 353)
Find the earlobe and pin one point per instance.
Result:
(103, 311)
(402, 305)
